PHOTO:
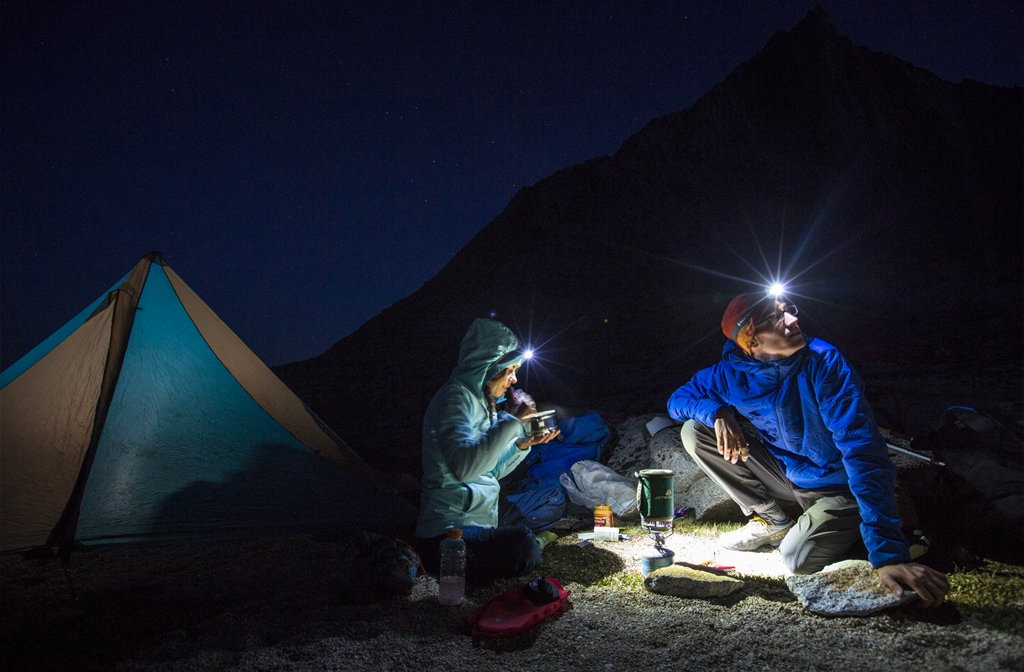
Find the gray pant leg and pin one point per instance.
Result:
(822, 534)
(750, 484)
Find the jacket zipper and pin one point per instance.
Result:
(778, 418)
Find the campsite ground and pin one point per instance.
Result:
(297, 603)
(304, 603)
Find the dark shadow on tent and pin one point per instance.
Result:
(281, 489)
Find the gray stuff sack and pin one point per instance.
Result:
(590, 483)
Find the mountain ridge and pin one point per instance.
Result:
(854, 164)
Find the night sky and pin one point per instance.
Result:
(304, 165)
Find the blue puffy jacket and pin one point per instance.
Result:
(812, 416)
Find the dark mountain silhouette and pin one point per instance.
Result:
(892, 200)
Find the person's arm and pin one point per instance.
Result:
(700, 400)
(872, 480)
(467, 453)
(872, 476)
(512, 455)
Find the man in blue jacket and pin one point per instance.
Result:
(819, 446)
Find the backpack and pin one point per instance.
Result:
(974, 502)
(539, 505)
(984, 456)
(388, 566)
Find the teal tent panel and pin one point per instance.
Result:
(55, 339)
(185, 450)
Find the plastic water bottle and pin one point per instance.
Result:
(453, 568)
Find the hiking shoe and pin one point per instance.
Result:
(755, 534)
(545, 538)
(918, 544)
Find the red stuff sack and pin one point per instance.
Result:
(512, 612)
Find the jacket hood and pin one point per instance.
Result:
(739, 359)
(487, 348)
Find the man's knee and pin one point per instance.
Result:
(796, 559)
(799, 553)
(810, 546)
(693, 434)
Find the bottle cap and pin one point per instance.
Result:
(455, 533)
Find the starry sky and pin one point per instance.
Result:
(304, 165)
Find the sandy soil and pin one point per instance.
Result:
(296, 604)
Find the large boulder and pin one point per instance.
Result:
(690, 485)
(629, 450)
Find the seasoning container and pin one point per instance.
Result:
(603, 516)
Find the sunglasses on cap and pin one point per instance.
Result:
(776, 316)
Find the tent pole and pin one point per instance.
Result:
(64, 565)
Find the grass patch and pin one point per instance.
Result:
(992, 593)
(623, 581)
(690, 525)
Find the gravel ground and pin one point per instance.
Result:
(298, 603)
(293, 604)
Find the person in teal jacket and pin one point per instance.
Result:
(470, 441)
(819, 446)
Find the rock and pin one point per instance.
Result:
(630, 451)
(688, 582)
(710, 503)
(667, 452)
(847, 588)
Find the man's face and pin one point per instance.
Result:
(778, 335)
(499, 385)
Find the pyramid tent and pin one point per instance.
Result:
(146, 419)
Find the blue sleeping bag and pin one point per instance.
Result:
(540, 502)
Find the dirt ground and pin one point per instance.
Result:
(296, 603)
(302, 603)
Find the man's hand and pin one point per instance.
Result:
(732, 445)
(929, 584)
(527, 442)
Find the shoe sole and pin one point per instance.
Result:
(774, 543)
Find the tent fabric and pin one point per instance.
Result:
(46, 421)
(151, 421)
(123, 303)
(267, 390)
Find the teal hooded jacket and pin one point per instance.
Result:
(466, 448)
